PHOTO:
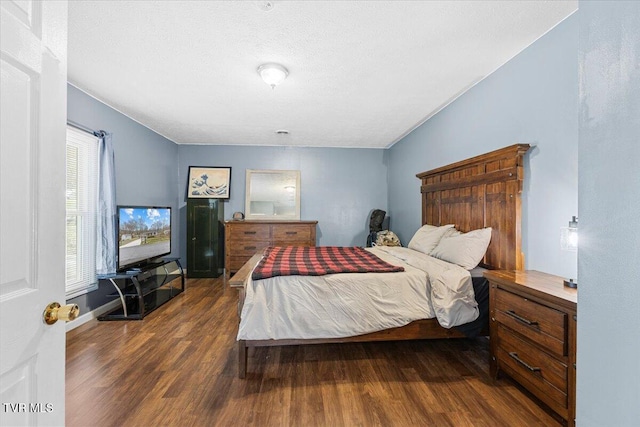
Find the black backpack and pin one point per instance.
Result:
(375, 225)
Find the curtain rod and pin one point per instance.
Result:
(84, 128)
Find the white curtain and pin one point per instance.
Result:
(106, 251)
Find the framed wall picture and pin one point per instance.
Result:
(209, 182)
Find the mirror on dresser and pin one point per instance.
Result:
(272, 194)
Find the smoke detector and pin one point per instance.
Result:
(265, 6)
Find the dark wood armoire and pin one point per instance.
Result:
(205, 237)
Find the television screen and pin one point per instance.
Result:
(144, 233)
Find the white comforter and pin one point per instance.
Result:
(349, 304)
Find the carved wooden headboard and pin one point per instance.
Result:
(483, 191)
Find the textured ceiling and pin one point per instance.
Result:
(361, 73)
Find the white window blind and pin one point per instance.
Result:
(81, 195)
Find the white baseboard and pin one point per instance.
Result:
(84, 318)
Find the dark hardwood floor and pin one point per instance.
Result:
(178, 367)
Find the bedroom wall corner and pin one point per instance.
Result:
(146, 170)
(531, 99)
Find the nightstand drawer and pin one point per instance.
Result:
(551, 369)
(543, 325)
(541, 373)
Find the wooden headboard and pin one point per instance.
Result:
(483, 191)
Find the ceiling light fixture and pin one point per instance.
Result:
(273, 74)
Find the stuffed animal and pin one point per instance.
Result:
(387, 238)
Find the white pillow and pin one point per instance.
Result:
(427, 238)
(466, 250)
(452, 232)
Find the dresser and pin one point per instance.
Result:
(244, 238)
(533, 335)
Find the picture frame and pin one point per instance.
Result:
(209, 182)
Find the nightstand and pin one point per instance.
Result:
(533, 335)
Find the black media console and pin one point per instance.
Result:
(143, 290)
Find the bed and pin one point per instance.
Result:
(479, 192)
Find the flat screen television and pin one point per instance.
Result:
(144, 234)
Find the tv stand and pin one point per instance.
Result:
(141, 290)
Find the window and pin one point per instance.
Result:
(81, 198)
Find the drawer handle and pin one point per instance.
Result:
(249, 247)
(521, 319)
(292, 232)
(515, 357)
(249, 232)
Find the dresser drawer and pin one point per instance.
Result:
(234, 263)
(541, 324)
(285, 233)
(248, 248)
(542, 374)
(237, 232)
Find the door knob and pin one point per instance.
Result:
(55, 312)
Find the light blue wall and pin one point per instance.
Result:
(339, 186)
(608, 390)
(531, 99)
(146, 171)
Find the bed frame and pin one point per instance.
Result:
(483, 191)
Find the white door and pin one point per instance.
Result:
(33, 110)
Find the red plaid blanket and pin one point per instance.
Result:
(318, 261)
